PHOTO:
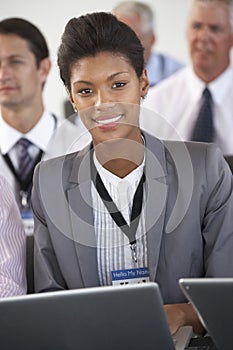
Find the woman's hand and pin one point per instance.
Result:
(179, 315)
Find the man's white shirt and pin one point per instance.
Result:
(171, 107)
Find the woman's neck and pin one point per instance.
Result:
(120, 157)
(121, 167)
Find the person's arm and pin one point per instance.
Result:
(217, 233)
(217, 223)
(47, 273)
(12, 245)
(179, 315)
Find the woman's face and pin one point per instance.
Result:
(106, 91)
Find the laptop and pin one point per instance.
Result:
(113, 317)
(213, 300)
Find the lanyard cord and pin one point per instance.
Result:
(24, 185)
(129, 231)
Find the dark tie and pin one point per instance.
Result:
(204, 129)
(26, 162)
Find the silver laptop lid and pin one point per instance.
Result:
(213, 300)
(129, 317)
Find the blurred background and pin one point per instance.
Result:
(51, 17)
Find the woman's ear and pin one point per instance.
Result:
(144, 83)
(72, 101)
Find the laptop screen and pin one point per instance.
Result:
(129, 317)
(213, 300)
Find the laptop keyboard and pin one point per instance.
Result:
(201, 343)
(184, 339)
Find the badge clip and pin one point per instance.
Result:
(133, 248)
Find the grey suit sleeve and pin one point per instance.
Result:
(47, 273)
(218, 217)
(201, 245)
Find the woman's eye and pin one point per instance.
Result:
(85, 91)
(118, 85)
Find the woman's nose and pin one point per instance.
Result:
(102, 97)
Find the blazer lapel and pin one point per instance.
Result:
(82, 220)
(156, 192)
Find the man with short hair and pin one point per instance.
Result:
(140, 17)
(26, 126)
(197, 102)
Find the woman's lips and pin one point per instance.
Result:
(108, 120)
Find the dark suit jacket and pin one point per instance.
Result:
(189, 217)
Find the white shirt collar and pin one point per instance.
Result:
(218, 87)
(196, 85)
(131, 178)
(221, 86)
(39, 135)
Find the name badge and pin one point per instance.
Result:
(28, 222)
(129, 276)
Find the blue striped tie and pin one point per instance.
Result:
(26, 162)
(204, 129)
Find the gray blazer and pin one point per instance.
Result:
(188, 208)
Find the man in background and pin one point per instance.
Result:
(139, 16)
(197, 102)
(26, 126)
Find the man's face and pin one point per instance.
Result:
(210, 39)
(147, 39)
(20, 78)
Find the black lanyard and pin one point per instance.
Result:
(128, 230)
(25, 186)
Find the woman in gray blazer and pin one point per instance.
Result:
(128, 206)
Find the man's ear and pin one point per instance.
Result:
(231, 40)
(153, 39)
(45, 66)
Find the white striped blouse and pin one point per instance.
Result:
(113, 250)
(12, 245)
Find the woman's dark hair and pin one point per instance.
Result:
(29, 32)
(97, 32)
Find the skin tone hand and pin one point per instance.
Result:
(179, 315)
